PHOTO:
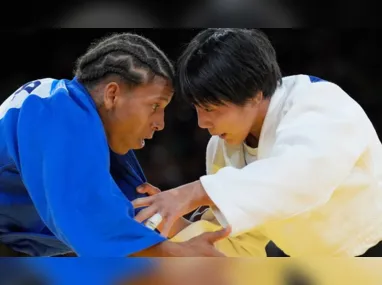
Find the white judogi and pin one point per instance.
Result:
(313, 186)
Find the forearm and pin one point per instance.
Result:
(199, 196)
(163, 249)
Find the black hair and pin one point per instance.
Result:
(227, 65)
(135, 59)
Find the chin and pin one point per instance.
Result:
(138, 145)
(233, 142)
(123, 149)
(119, 150)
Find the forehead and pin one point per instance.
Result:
(156, 89)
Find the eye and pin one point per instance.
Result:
(155, 106)
(207, 109)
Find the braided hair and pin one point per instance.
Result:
(135, 59)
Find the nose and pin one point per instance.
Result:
(204, 121)
(159, 124)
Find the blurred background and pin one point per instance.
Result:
(197, 13)
(348, 57)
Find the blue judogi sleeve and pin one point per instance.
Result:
(62, 153)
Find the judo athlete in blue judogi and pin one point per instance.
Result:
(67, 167)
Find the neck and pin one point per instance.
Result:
(254, 135)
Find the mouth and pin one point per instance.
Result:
(220, 135)
(149, 137)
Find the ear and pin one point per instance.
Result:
(112, 91)
(257, 99)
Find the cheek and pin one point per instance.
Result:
(124, 123)
(235, 121)
(130, 112)
(247, 116)
(137, 121)
(133, 114)
(238, 122)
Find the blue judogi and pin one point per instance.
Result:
(61, 188)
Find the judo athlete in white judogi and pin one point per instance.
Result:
(293, 160)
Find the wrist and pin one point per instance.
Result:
(168, 249)
(159, 250)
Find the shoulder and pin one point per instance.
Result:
(50, 102)
(41, 88)
(307, 86)
(310, 100)
(308, 90)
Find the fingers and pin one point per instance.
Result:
(154, 222)
(148, 188)
(213, 237)
(167, 225)
(145, 214)
(218, 254)
(143, 202)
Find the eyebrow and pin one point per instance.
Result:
(163, 98)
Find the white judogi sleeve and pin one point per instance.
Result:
(318, 141)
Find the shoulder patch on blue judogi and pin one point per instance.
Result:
(314, 79)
